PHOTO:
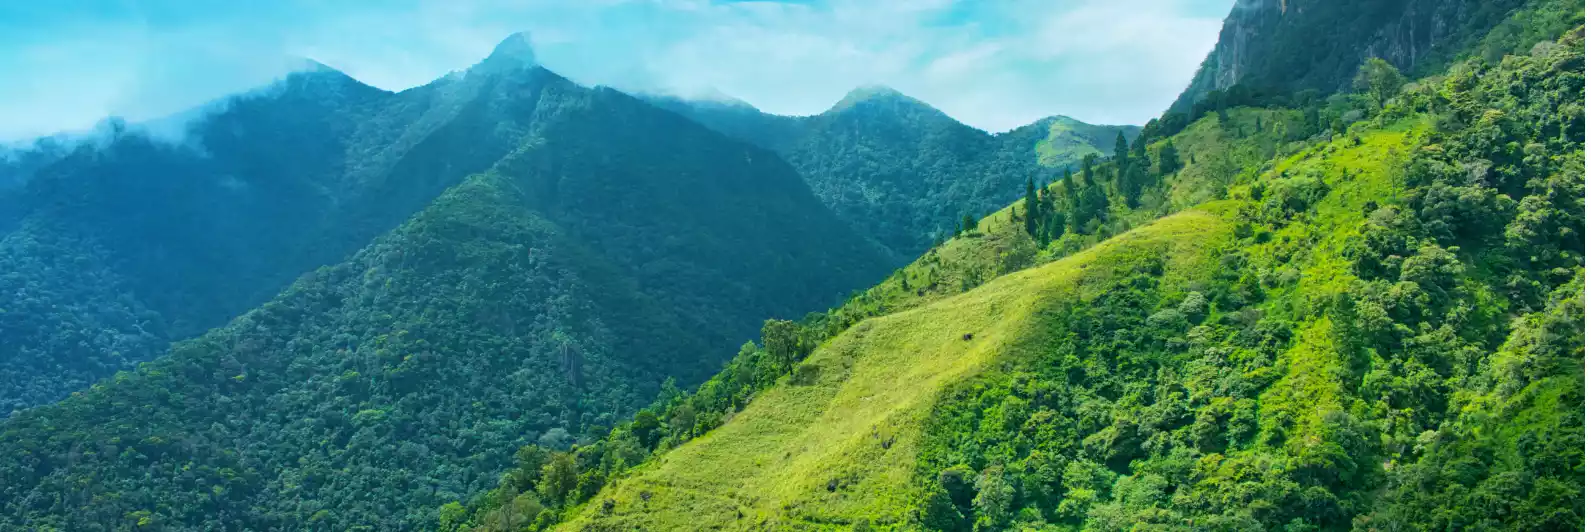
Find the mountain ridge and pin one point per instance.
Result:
(899, 170)
(579, 267)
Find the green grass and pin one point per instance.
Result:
(1216, 155)
(1069, 140)
(774, 462)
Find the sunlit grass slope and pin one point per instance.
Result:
(835, 444)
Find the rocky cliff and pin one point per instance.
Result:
(1317, 44)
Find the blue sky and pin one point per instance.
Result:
(994, 64)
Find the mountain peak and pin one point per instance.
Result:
(513, 53)
(868, 92)
(878, 94)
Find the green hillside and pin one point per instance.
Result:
(1372, 321)
(838, 442)
(1066, 140)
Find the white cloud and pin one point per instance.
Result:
(994, 65)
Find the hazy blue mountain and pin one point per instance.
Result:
(899, 170)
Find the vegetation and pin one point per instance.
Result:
(1283, 306)
(1379, 327)
(902, 172)
(553, 293)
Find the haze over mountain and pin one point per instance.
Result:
(226, 204)
(900, 171)
(510, 255)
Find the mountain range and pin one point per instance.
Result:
(900, 171)
(496, 258)
(1338, 285)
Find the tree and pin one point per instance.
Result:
(1068, 189)
(782, 340)
(1121, 153)
(1378, 80)
(558, 478)
(1131, 183)
(1030, 205)
(993, 502)
(645, 428)
(968, 223)
(1169, 162)
(939, 512)
(452, 516)
(529, 458)
(1088, 170)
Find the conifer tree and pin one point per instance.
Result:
(1169, 161)
(1030, 206)
(1121, 154)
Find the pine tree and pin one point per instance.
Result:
(1030, 209)
(1132, 184)
(1121, 154)
(1068, 189)
(968, 224)
(1088, 171)
(1169, 162)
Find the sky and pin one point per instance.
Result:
(994, 64)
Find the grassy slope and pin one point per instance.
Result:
(1214, 158)
(1067, 140)
(775, 462)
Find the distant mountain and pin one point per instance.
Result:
(558, 253)
(899, 170)
(115, 246)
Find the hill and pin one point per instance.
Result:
(1368, 323)
(899, 170)
(610, 247)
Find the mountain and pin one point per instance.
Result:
(1292, 45)
(899, 170)
(129, 241)
(542, 257)
(1374, 322)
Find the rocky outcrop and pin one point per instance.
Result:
(1318, 44)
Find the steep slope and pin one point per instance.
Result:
(841, 442)
(618, 246)
(170, 240)
(899, 170)
(1379, 327)
(1290, 45)
(120, 245)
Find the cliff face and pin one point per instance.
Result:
(1318, 44)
